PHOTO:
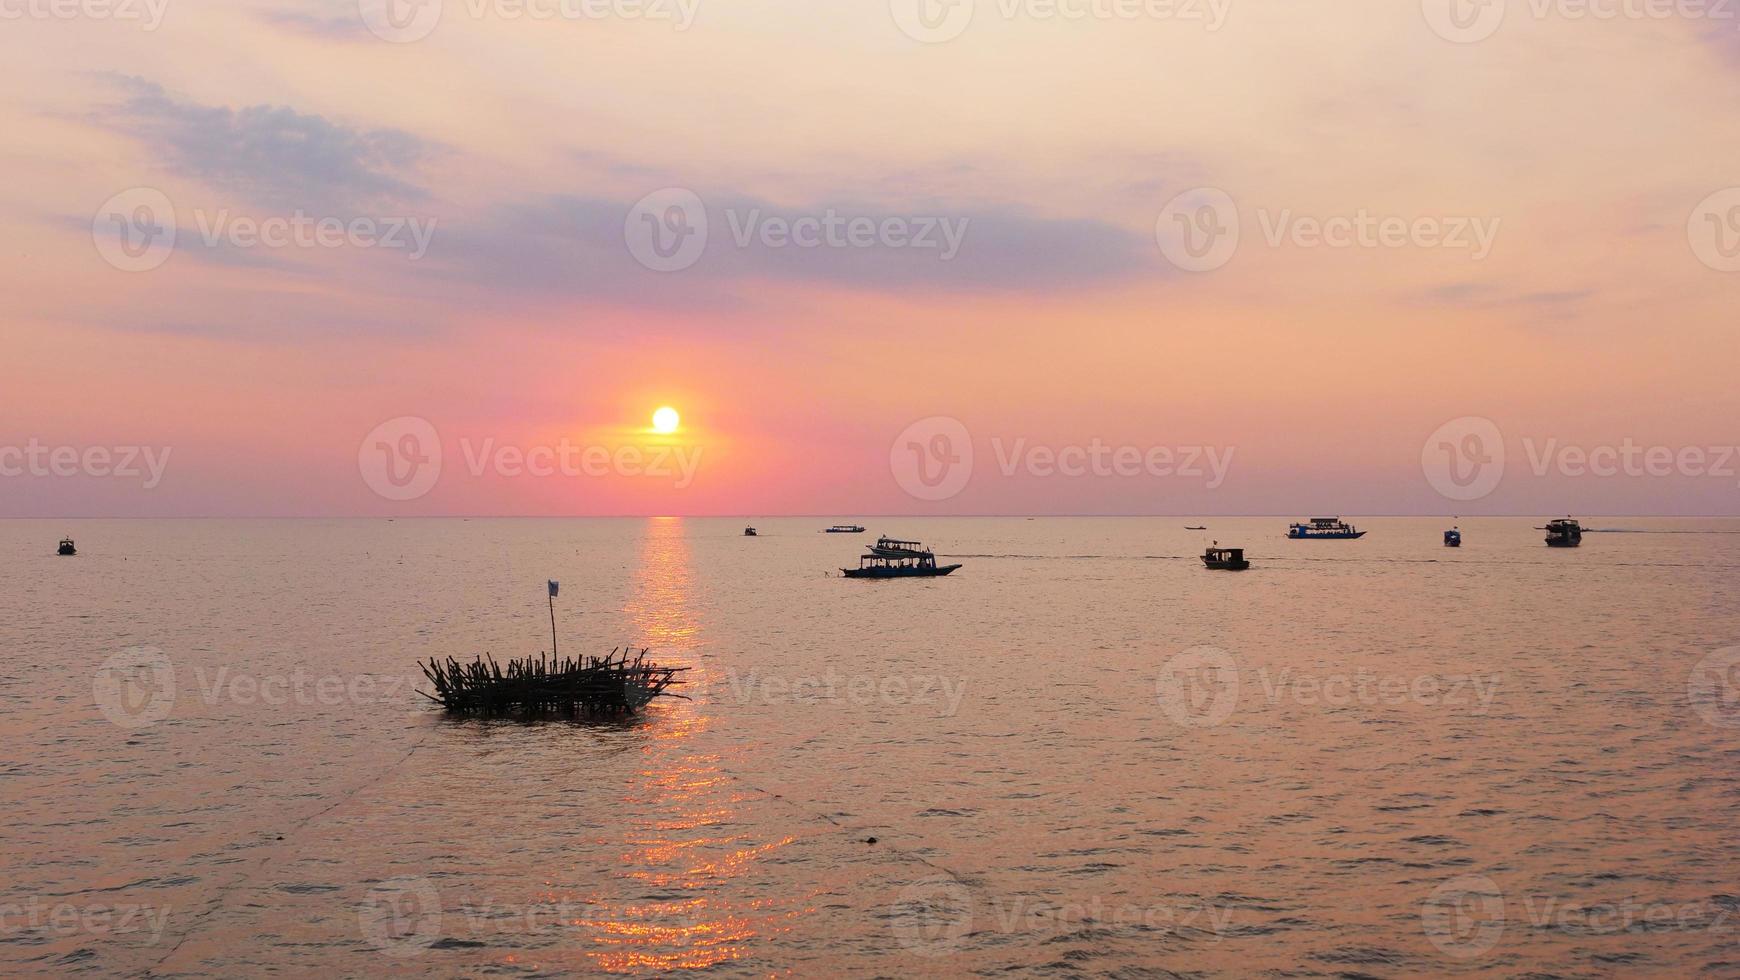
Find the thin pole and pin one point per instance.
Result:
(552, 626)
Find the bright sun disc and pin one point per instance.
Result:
(666, 419)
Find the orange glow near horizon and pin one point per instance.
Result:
(1590, 314)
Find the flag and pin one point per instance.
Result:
(555, 587)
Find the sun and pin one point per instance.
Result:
(666, 420)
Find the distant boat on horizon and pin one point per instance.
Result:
(1564, 533)
(845, 529)
(749, 532)
(1324, 529)
(67, 547)
(1225, 559)
(1453, 538)
(1188, 527)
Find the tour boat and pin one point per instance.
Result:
(890, 548)
(1564, 533)
(1225, 559)
(898, 559)
(846, 529)
(67, 547)
(1453, 538)
(749, 532)
(1324, 529)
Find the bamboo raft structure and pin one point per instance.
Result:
(622, 682)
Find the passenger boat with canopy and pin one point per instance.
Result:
(890, 558)
(1225, 559)
(1564, 533)
(1324, 529)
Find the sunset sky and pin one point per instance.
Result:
(1598, 311)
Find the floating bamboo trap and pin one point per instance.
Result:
(621, 683)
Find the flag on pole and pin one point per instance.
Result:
(555, 587)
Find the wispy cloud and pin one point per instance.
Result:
(271, 154)
(329, 20)
(575, 246)
(1492, 296)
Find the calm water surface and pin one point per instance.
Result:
(1081, 753)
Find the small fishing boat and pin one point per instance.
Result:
(1188, 527)
(749, 532)
(845, 529)
(1563, 533)
(1453, 538)
(67, 547)
(1324, 529)
(1225, 559)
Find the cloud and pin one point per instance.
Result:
(1490, 296)
(271, 154)
(574, 246)
(329, 28)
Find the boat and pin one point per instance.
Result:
(898, 559)
(1563, 533)
(845, 529)
(1225, 559)
(890, 548)
(883, 566)
(1187, 527)
(749, 532)
(67, 547)
(1324, 529)
(1453, 538)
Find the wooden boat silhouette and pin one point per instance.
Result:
(1564, 533)
(1225, 559)
(1324, 529)
(890, 558)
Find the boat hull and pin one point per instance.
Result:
(1227, 566)
(933, 572)
(1332, 536)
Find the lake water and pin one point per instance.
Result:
(1082, 752)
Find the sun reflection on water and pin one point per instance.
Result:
(676, 844)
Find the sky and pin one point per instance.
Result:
(385, 257)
